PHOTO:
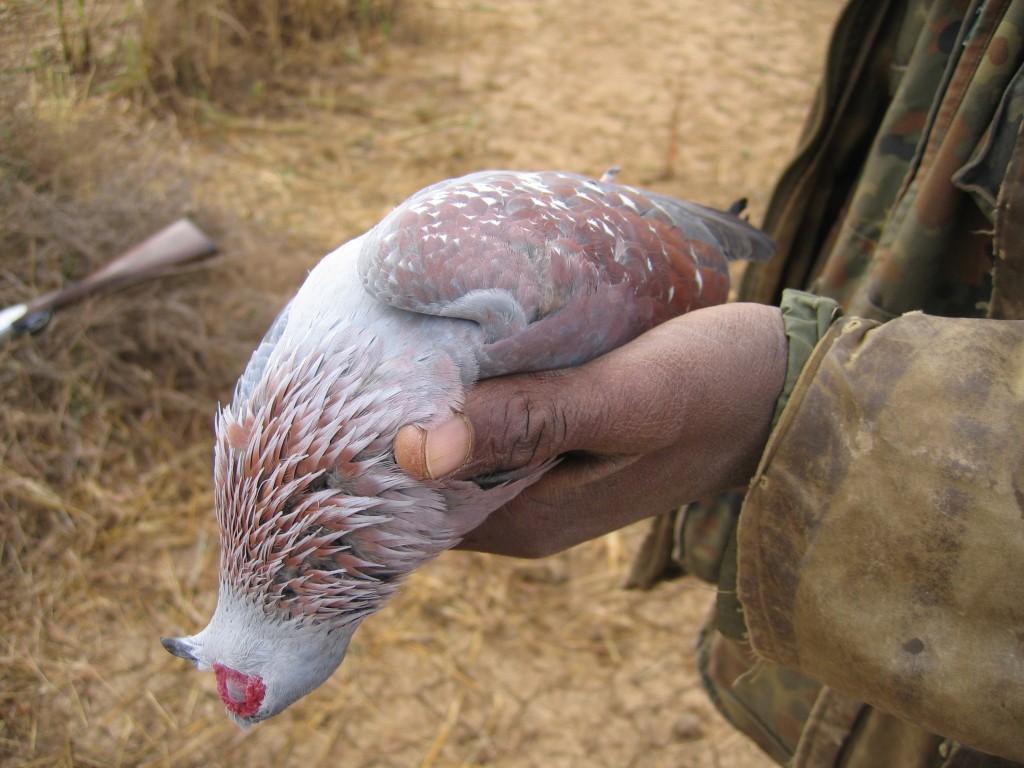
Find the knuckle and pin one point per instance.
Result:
(533, 430)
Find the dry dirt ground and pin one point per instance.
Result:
(481, 661)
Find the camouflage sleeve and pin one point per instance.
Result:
(881, 546)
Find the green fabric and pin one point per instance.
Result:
(806, 318)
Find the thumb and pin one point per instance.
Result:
(432, 454)
(509, 423)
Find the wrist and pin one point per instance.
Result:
(746, 362)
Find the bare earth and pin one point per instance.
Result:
(481, 661)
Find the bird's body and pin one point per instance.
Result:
(494, 273)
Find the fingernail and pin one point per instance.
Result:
(436, 453)
(447, 447)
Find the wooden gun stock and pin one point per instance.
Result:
(177, 244)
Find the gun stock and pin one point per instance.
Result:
(175, 245)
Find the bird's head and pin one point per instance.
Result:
(317, 524)
(261, 665)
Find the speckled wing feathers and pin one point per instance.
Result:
(556, 268)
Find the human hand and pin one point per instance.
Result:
(678, 413)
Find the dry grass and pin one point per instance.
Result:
(202, 58)
(105, 413)
(231, 53)
(289, 132)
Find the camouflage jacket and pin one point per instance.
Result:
(879, 553)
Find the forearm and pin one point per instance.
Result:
(881, 547)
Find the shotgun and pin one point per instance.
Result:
(174, 245)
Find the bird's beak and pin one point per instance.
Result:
(180, 647)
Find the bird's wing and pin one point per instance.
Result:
(556, 268)
(260, 356)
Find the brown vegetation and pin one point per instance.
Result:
(284, 127)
